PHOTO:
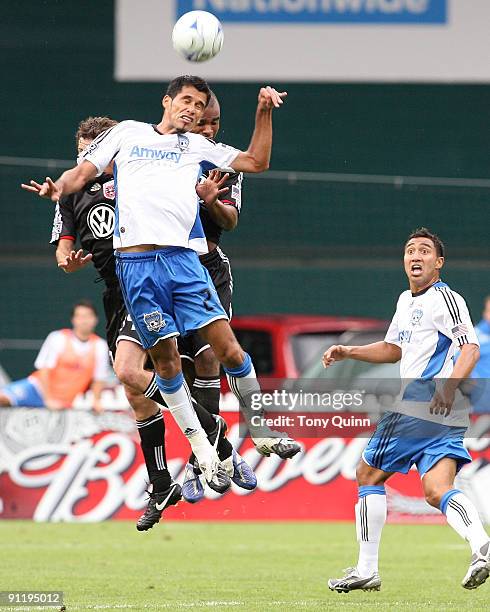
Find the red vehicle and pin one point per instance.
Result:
(283, 346)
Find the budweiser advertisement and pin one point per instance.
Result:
(79, 466)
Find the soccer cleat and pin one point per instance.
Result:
(219, 480)
(207, 460)
(351, 581)
(157, 504)
(283, 447)
(240, 472)
(479, 569)
(192, 489)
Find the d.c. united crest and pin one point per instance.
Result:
(109, 191)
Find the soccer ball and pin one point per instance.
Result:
(197, 36)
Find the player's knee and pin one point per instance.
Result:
(166, 359)
(367, 475)
(230, 354)
(362, 474)
(433, 496)
(169, 366)
(206, 363)
(126, 372)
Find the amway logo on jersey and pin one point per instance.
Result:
(318, 11)
(145, 153)
(101, 220)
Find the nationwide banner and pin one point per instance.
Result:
(312, 40)
(320, 11)
(79, 466)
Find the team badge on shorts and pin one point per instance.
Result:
(154, 321)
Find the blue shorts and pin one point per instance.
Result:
(167, 293)
(23, 393)
(401, 441)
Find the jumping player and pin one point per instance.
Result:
(427, 426)
(89, 216)
(158, 235)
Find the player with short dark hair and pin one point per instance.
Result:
(423, 232)
(176, 85)
(89, 216)
(428, 422)
(84, 304)
(158, 235)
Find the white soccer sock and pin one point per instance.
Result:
(370, 519)
(463, 517)
(178, 399)
(244, 384)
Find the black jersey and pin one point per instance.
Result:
(233, 197)
(89, 215)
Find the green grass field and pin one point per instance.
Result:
(232, 566)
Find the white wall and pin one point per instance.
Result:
(457, 50)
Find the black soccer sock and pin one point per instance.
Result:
(206, 390)
(153, 392)
(152, 435)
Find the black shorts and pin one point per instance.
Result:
(218, 266)
(118, 322)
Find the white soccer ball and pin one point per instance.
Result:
(197, 36)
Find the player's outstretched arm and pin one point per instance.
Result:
(257, 157)
(377, 352)
(69, 182)
(209, 192)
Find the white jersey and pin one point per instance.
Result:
(429, 327)
(155, 178)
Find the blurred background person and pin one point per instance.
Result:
(480, 397)
(483, 330)
(70, 362)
